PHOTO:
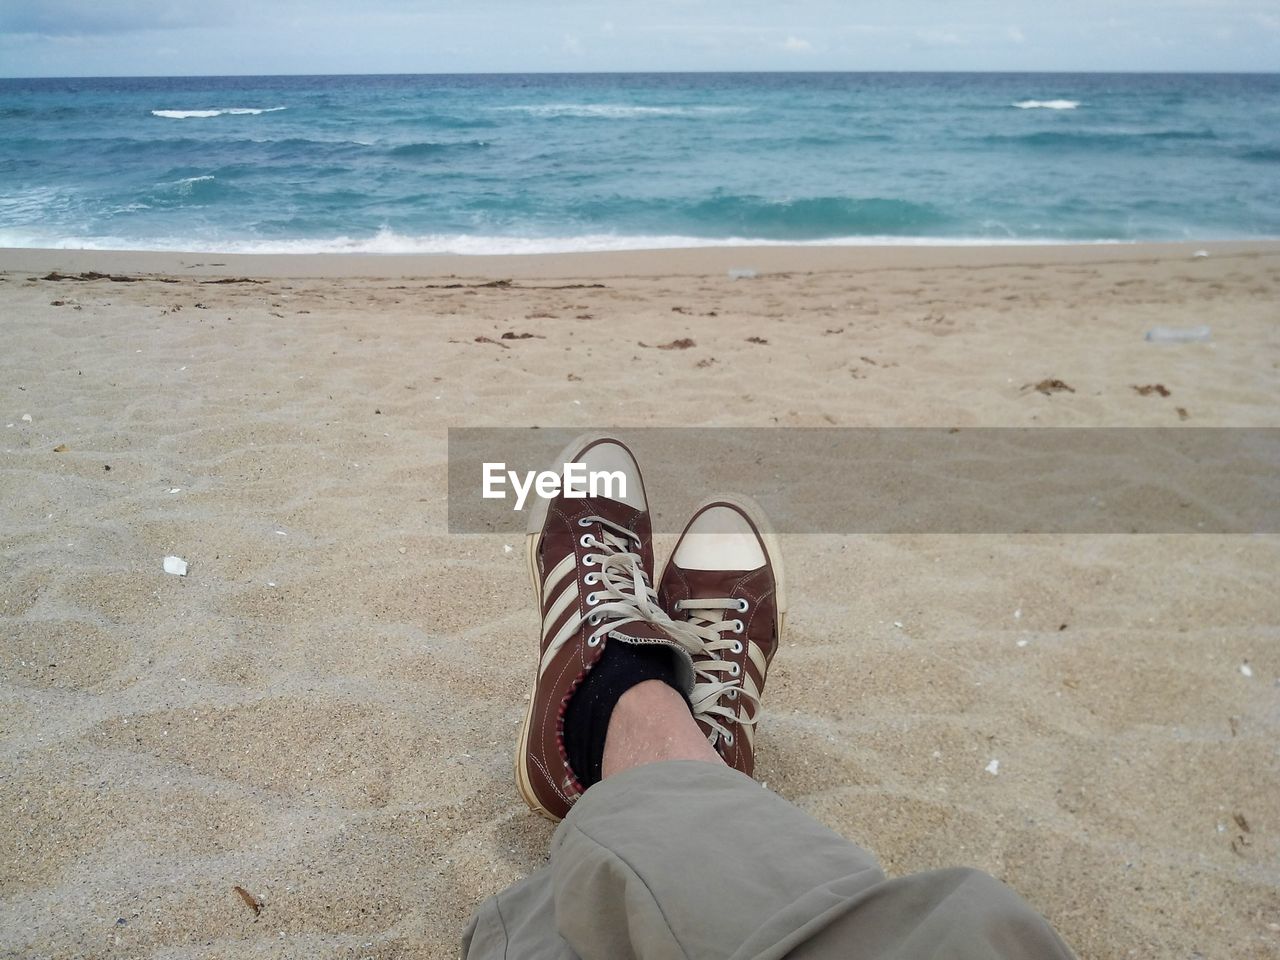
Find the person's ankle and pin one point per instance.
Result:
(652, 722)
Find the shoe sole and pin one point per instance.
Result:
(533, 543)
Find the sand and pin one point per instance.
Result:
(322, 712)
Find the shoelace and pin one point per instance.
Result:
(718, 682)
(625, 594)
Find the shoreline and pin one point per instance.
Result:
(671, 261)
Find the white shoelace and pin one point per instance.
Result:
(624, 594)
(718, 682)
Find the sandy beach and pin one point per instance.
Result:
(322, 711)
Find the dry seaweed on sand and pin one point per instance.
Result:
(684, 343)
(1049, 386)
(250, 901)
(90, 275)
(1147, 389)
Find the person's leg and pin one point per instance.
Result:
(652, 722)
(670, 858)
(676, 852)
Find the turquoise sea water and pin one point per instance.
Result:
(568, 162)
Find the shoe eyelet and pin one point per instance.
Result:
(592, 598)
(743, 606)
(593, 640)
(591, 578)
(728, 739)
(586, 540)
(738, 626)
(584, 521)
(590, 560)
(737, 647)
(679, 606)
(734, 670)
(733, 694)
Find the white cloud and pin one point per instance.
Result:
(940, 38)
(1268, 21)
(571, 44)
(1015, 34)
(797, 45)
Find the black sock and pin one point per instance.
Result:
(586, 719)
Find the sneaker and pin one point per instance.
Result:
(590, 560)
(724, 581)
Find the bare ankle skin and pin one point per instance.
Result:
(651, 722)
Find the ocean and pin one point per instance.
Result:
(532, 163)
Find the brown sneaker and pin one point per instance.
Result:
(590, 560)
(724, 580)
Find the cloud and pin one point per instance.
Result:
(797, 45)
(1268, 21)
(73, 18)
(1015, 34)
(940, 38)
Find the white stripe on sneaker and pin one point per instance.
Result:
(571, 626)
(561, 570)
(567, 596)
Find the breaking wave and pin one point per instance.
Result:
(387, 241)
(1047, 104)
(203, 114)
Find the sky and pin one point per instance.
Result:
(227, 37)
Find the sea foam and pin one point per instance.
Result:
(1047, 104)
(228, 111)
(388, 241)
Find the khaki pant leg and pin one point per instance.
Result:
(958, 914)
(517, 924)
(685, 859)
(690, 859)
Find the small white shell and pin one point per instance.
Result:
(176, 566)
(993, 768)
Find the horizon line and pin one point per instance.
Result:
(625, 73)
